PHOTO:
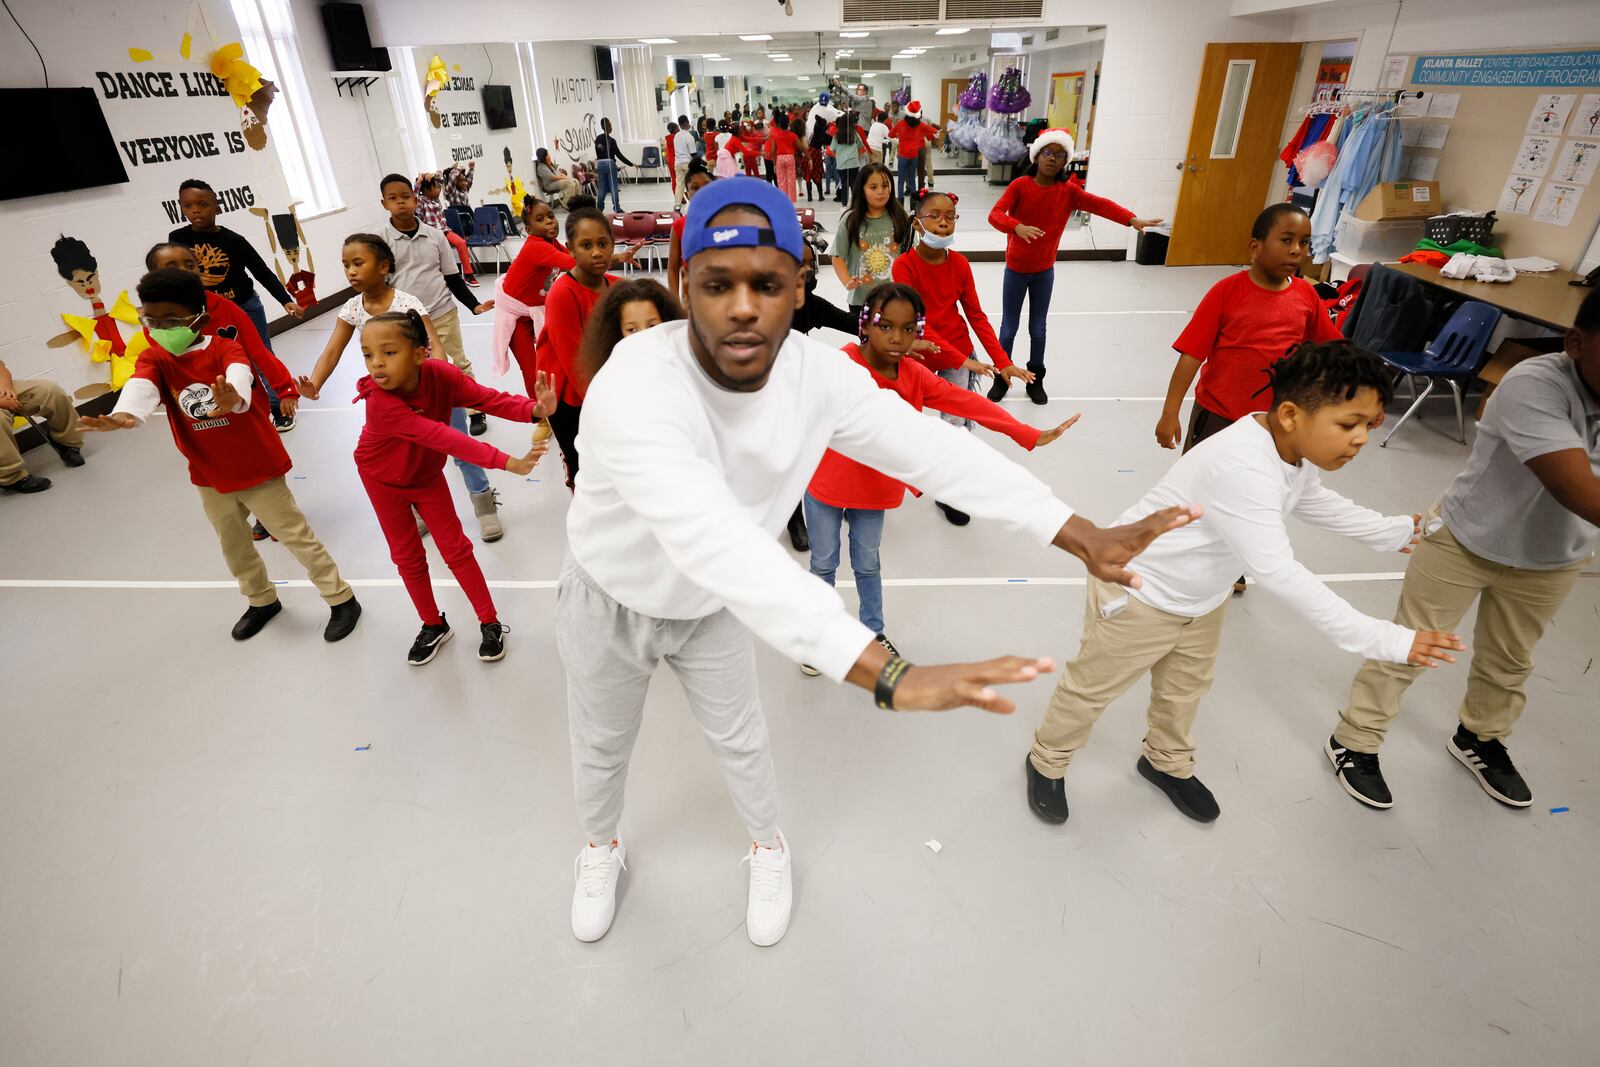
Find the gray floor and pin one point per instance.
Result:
(202, 868)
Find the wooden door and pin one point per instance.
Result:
(949, 93)
(1233, 148)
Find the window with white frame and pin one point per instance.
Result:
(267, 31)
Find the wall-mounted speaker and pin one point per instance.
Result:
(718, 82)
(682, 71)
(348, 40)
(603, 70)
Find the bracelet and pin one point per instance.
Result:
(888, 679)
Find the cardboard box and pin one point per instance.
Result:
(1400, 200)
(1508, 355)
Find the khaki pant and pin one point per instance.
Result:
(680, 173)
(274, 505)
(1180, 653)
(1442, 581)
(45, 400)
(447, 324)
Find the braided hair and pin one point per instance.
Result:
(1315, 374)
(884, 295)
(409, 323)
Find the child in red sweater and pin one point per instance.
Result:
(696, 178)
(1034, 210)
(566, 309)
(400, 458)
(842, 490)
(226, 319)
(218, 416)
(1244, 324)
(629, 307)
(527, 282)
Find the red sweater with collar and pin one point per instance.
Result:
(841, 482)
(947, 289)
(566, 310)
(408, 435)
(1027, 203)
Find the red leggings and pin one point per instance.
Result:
(460, 245)
(432, 501)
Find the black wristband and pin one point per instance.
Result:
(888, 679)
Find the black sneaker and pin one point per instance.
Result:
(956, 516)
(999, 388)
(282, 423)
(1491, 765)
(493, 645)
(72, 457)
(887, 644)
(1239, 586)
(28, 483)
(1358, 772)
(258, 532)
(341, 620)
(1188, 795)
(1047, 797)
(477, 424)
(254, 618)
(798, 535)
(1036, 391)
(428, 641)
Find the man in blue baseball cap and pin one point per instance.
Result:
(698, 437)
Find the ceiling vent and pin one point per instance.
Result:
(965, 10)
(865, 64)
(1051, 35)
(893, 12)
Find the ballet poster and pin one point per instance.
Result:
(1549, 115)
(1558, 203)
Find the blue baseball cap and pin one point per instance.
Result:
(769, 200)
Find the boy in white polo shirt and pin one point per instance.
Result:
(1249, 478)
(1512, 532)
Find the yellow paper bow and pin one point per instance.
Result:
(122, 366)
(83, 327)
(672, 85)
(438, 77)
(124, 311)
(242, 80)
(100, 350)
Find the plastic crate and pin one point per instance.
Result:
(1375, 242)
(1448, 229)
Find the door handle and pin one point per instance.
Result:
(1194, 169)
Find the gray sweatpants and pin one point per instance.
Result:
(610, 652)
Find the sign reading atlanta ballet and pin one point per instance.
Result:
(1561, 70)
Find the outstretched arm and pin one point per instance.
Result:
(311, 384)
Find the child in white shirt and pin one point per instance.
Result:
(1249, 478)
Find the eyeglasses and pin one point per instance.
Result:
(940, 216)
(167, 324)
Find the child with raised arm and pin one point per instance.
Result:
(236, 461)
(843, 491)
(1249, 478)
(400, 458)
(1034, 211)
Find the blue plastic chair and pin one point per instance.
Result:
(487, 231)
(650, 160)
(1454, 357)
(459, 221)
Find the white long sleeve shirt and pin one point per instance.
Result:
(1248, 492)
(140, 397)
(686, 485)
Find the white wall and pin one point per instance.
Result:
(1041, 64)
(464, 134)
(568, 99)
(120, 222)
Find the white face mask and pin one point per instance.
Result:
(933, 240)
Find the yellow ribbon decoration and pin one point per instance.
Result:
(184, 45)
(438, 77)
(672, 84)
(100, 350)
(83, 327)
(124, 311)
(140, 55)
(242, 80)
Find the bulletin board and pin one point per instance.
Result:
(1530, 151)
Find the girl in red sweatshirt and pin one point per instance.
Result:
(842, 490)
(1034, 210)
(400, 459)
(566, 309)
(527, 281)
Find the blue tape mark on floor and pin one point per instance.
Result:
(1017, 581)
(299, 477)
(1127, 470)
(364, 748)
(280, 581)
(1558, 811)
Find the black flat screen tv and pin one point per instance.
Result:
(84, 156)
(498, 111)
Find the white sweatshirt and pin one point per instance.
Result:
(686, 485)
(1248, 491)
(140, 397)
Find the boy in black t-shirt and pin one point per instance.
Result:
(226, 261)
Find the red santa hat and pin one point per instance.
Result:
(914, 109)
(1055, 135)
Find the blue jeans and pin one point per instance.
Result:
(866, 535)
(908, 177)
(257, 313)
(961, 378)
(1037, 288)
(608, 181)
(830, 171)
(472, 474)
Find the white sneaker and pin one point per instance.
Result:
(771, 893)
(594, 899)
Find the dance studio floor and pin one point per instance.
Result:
(289, 853)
